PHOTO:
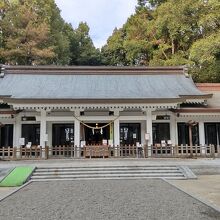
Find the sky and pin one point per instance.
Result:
(102, 16)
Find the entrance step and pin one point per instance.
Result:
(111, 172)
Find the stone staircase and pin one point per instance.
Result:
(111, 172)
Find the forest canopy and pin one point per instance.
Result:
(33, 32)
(170, 33)
(159, 33)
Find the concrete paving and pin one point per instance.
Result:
(4, 191)
(102, 200)
(4, 172)
(207, 187)
(114, 162)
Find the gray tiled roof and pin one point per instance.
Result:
(100, 86)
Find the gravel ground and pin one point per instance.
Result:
(102, 200)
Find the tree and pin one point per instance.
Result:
(82, 50)
(33, 32)
(58, 36)
(148, 4)
(141, 4)
(176, 27)
(24, 35)
(130, 45)
(170, 32)
(205, 52)
(156, 3)
(3, 7)
(137, 43)
(113, 53)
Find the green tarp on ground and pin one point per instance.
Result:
(17, 177)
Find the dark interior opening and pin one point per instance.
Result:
(212, 134)
(63, 134)
(31, 133)
(96, 136)
(130, 133)
(183, 134)
(161, 131)
(6, 135)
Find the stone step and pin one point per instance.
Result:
(106, 168)
(108, 175)
(110, 178)
(39, 173)
(110, 172)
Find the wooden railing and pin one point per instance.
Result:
(130, 151)
(33, 152)
(62, 151)
(13, 153)
(92, 151)
(7, 153)
(185, 151)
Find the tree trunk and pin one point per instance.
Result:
(173, 47)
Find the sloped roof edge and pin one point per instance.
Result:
(97, 83)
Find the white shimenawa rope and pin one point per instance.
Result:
(96, 126)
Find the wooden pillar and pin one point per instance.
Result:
(17, 136)
(173, 130)
(77, 148)
(116, 128)
(50, 136)
(201, 133)
(149, 127)
(43, 127)
(190, 140)
(149, 130)
(76, 129)
(77, 133)
(17, 131)
(77, 139)
(117, 134)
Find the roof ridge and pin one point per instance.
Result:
(94, 70)
(88, 67)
